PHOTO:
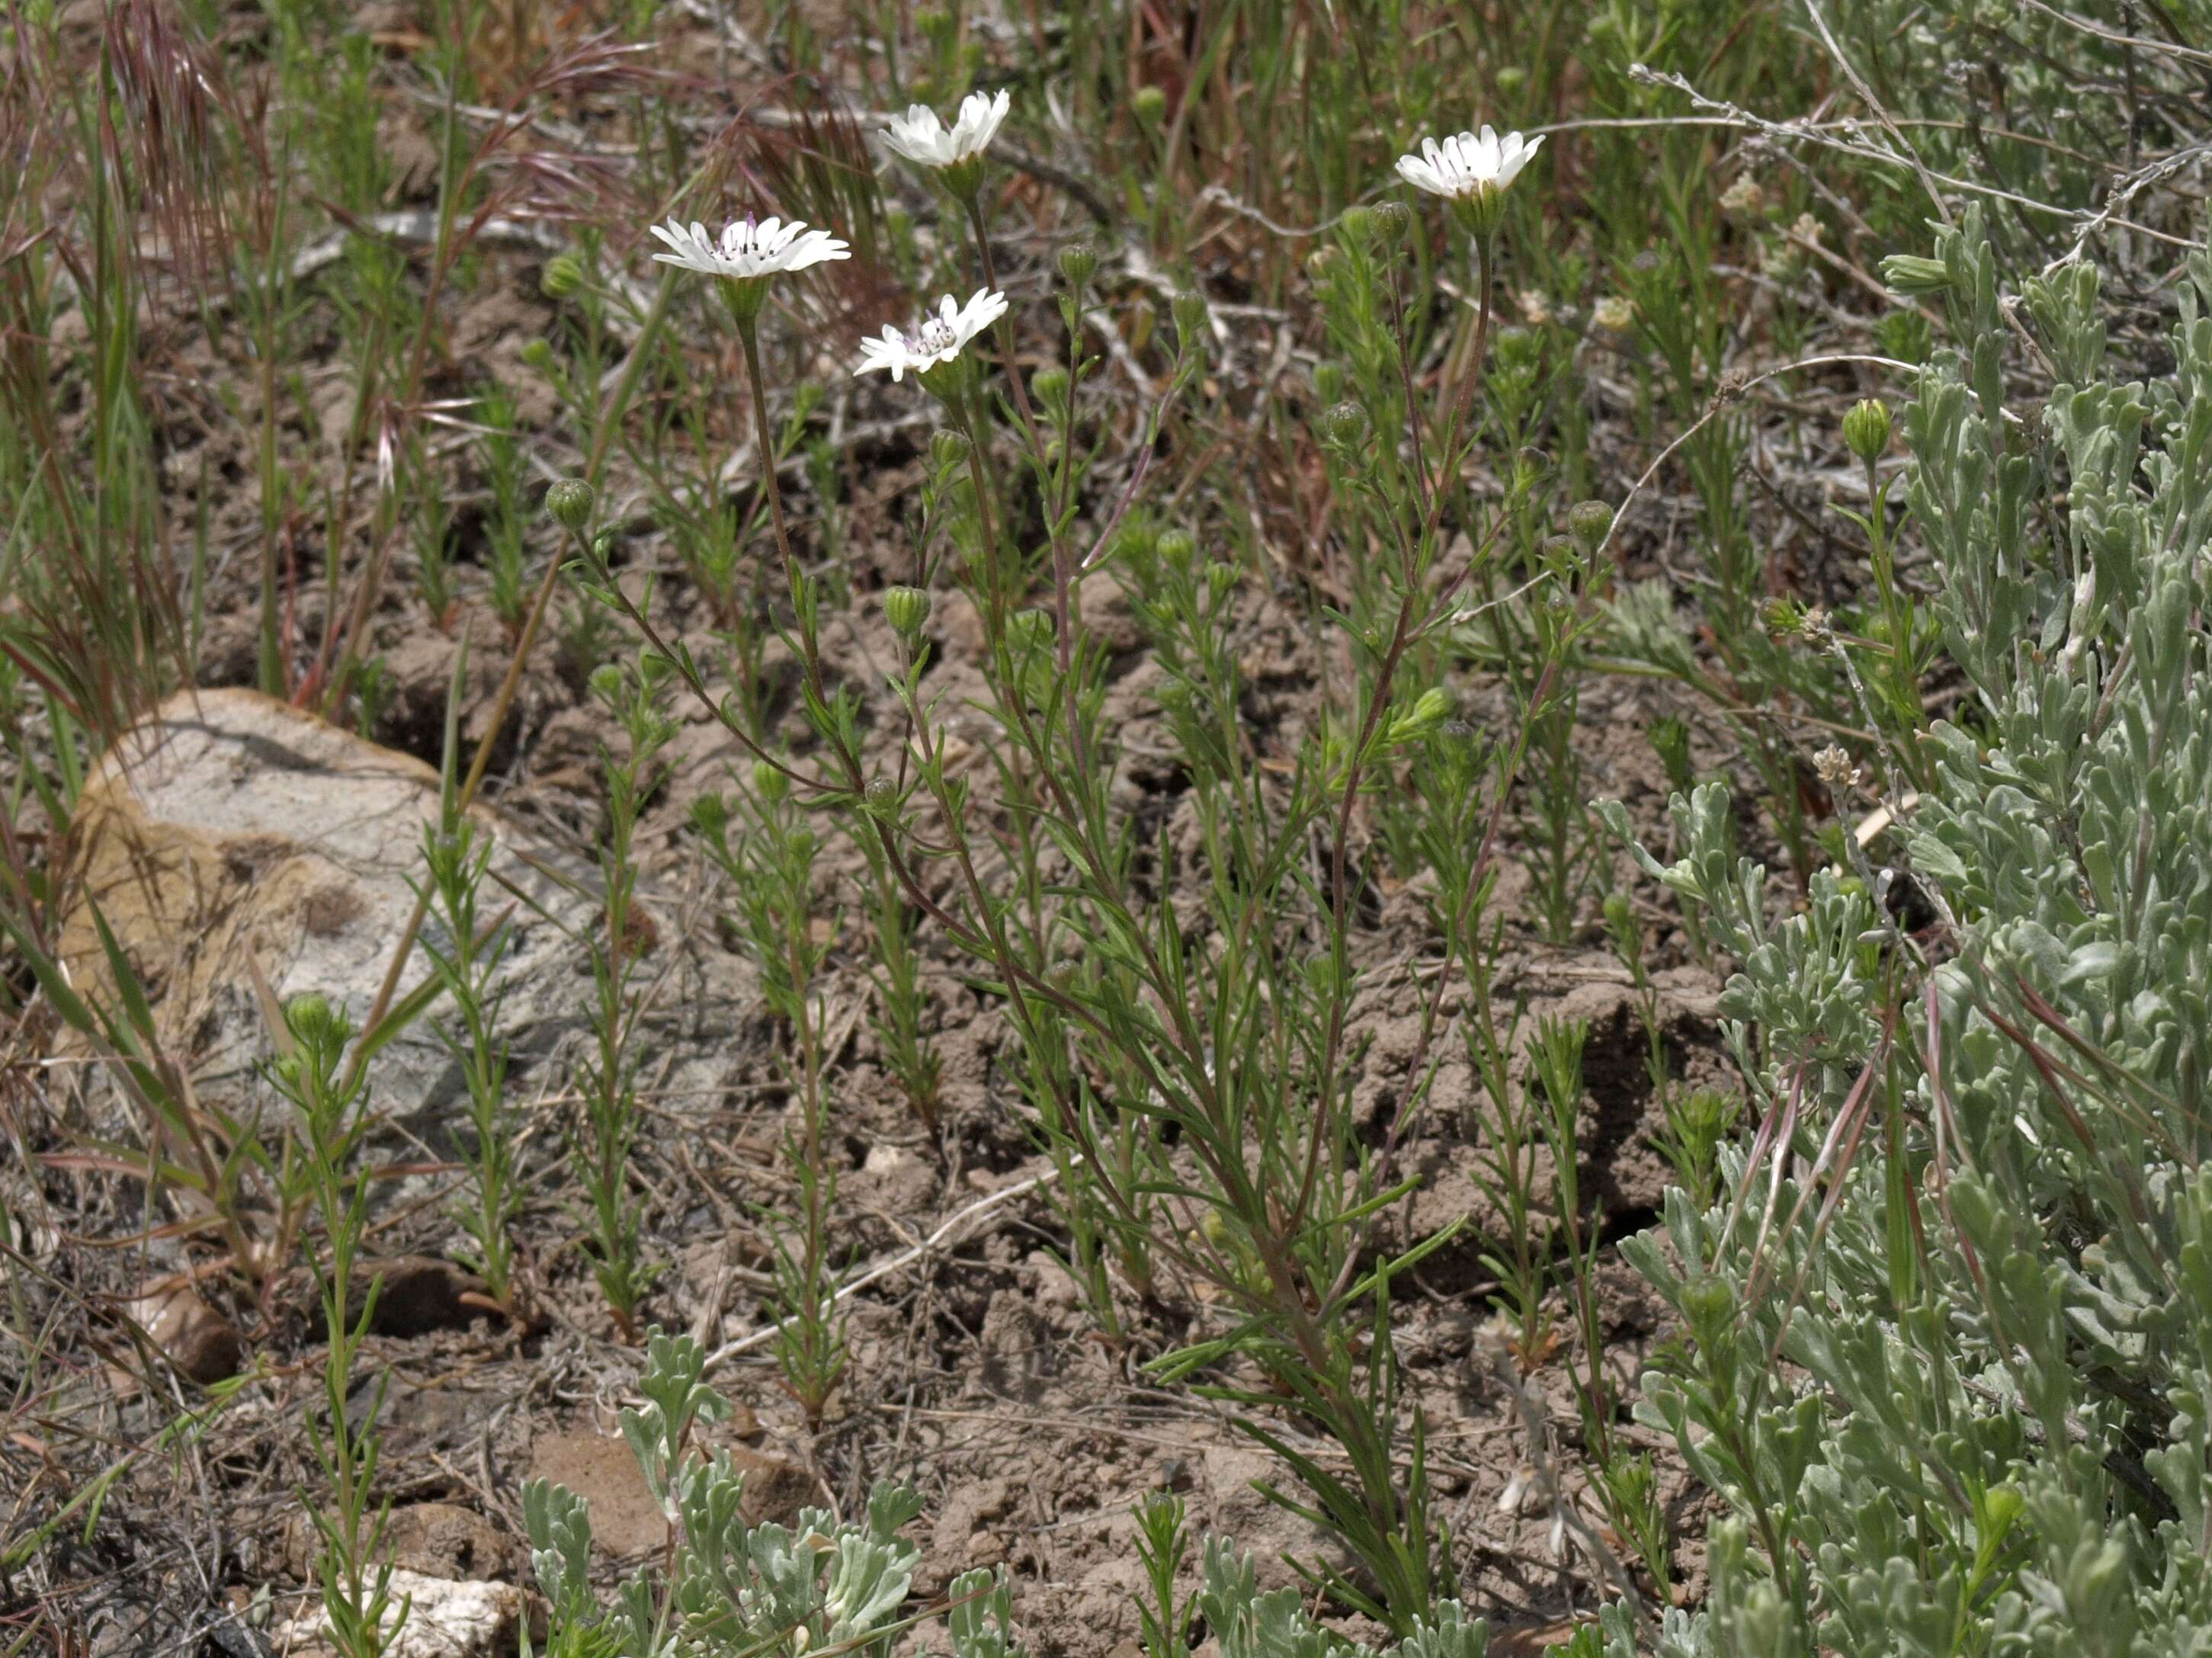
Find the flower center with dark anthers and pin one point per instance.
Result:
(932, 337)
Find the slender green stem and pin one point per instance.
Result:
(617, 403)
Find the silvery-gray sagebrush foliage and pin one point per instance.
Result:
(1989, 1276)
(1250, 1625)
(732, 1589)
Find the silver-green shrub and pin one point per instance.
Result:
(1250, 1625)
(734, 1590)
(730, 1589)
(1949, 1352)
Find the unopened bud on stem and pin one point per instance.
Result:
(1590, 522)
(1189, 319)
(1866, 429)
(1344, 425)
(947, 448)
(906, 609)
(1078, 262)
(569, 500)
(564, 275)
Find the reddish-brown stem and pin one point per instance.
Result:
(1448, 458)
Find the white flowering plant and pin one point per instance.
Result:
(935, 342)
(1163, 659)
(1268, 1206)
(924, 140)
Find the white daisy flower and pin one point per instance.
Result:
(937, 339)
(747, 250)
(923, 139)
(1468, 164)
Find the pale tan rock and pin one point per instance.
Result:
(231, 829)
(603, 1470)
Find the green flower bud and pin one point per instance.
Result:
(1394, 220)
(1137, 540)
(1078, 262)
(2002, 1505)
(537, 356)
(1430, 710)
(1151, 104)
(1344, 425)
(1670, 741)
(606, 682)
(569, 500)
(1177, 547)
(1866, 429)
(563, 276)
(906, 609)
(1189, 319)
(881, 797)
(1590, 522)
(311, 1019)
(1220, 579)
(1050, 385)
(1357, 225)
(947, 448)
(1909, 273)
(1511, 79)
(1710, 1303)
(770, 782)
(1323, 261)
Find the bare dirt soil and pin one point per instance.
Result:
(977, 1373)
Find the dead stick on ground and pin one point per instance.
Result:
(899, 1262)
(1492, 1349)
